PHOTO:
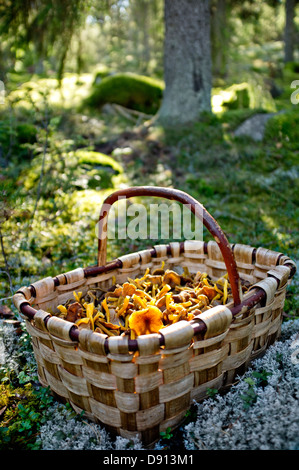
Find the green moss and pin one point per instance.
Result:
(231, 119)
(129, 90)
(291, 68)
(26, 133)
(243, 95)
(13, 139)
(97, 159)
(100, 72)
(82, 169)
(98, 168)
(25, 412)
(284, 127)
(202, 187)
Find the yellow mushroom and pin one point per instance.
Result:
(77, 296)
(62, 309)
(124, 306)
(106, 308)
(146, 321)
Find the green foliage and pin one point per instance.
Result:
(284, 128)
(26, 133)
(98, 160)
(129, 90)
(292, 67)
(25, 413)
(40, 93)
(23, 403)
(72, 170)
(249, 397)
(292, 300)
(14, 139)
(202, 186)
(290, 71)
(53, 22)
(257, 379)
(212, 392)
(233, 118)
(167, 434)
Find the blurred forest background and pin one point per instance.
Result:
(97, 95)
(94, 98)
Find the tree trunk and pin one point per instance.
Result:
(289, 31)
(187, 61)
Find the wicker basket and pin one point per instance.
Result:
(143, 386)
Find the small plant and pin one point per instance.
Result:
(261, 380)
(212, 392)
(249, 397)
(25, 412)
(261, 377)
(167, 434)
(291, 306)
(190, 416)
(279, 358)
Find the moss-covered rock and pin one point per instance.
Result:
(97, 168)
(98, 160)
(237, 96)
(243, 96)
(101, 71)
(82, 169)
(129, 90)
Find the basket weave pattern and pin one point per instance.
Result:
(141, 393)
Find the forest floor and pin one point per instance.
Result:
(54, 184)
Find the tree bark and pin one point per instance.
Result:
(289, 30)
(187, 61)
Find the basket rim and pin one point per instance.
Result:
(256, 295)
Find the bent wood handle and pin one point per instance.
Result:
(195, 207)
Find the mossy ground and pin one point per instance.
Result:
(251, 188)
(58, 164)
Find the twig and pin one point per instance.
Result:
(97, 434)
(228, 216)
(6, 298)
(130, 113)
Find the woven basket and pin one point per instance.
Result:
(140, 387)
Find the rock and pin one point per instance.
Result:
(254, 126)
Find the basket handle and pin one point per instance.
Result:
(195, 207)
